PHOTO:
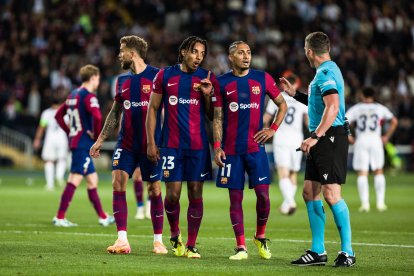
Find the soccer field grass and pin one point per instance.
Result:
(30, 244)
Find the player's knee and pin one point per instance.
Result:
(173, 197)
(154, 189)
(331, 197)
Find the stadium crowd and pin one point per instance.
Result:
(44, 42)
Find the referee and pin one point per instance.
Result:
(326, 150)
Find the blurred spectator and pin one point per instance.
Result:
(45, 41)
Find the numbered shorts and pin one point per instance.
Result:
(327, 162)
(232, 175)
(127, 161)
(368, 153)
(185, 165)
(81, 162)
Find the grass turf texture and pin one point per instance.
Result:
(30, 244)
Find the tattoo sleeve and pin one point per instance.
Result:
(218, 124)
(112, 121)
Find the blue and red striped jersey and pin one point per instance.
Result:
(243, 103)
(84, 114)
(134, 95)
(183, 126)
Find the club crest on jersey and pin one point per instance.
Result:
(115, 163)
(127, 104)
(146, 88)
(166, 173)
(223, 180)
(255, 90)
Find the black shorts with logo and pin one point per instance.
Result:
(327, 161)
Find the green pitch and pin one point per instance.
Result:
(30, 244)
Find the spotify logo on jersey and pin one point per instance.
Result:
(234, 106)
(173, 100)
(127, 104)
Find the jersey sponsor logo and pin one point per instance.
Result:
(230, 92)
(71, 102)
(171, 84)
(173, 100)
(146, 88)
(127, 104)
(140, 104)
(255, 90)
(233, 106)
(94, 102)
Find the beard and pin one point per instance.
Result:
(126, 64)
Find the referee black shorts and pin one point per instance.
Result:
(327, 161)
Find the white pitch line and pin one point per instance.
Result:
(202, 238)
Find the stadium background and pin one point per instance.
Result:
(43, 43)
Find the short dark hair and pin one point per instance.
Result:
(233, 46)
(87, 71)
(188, 45)
(368, 92)
(136, 43)
(318, 42)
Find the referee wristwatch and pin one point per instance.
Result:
(314, 136)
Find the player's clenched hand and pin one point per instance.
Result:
(95, 149)
(287, 86)
(153, 153)
(219, 156)
(263, 135)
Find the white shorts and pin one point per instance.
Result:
(55, 150)
(368, 155)
(287, 157)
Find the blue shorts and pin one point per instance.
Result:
(127, 161)
(82, 162)
(185, 165)
(255, 164)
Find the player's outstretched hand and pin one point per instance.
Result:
(219, 156)
(153, 153)
(287, 86)
(263, 135)
(95, 149)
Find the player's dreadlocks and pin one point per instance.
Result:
(188, 45)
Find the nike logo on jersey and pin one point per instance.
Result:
(171, 84)
(262, 178)
(231, 92)
(325, 175)
(152, 176)
(123, 90)
(204, 174)
(332, 139)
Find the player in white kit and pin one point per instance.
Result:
(369, 117)
(285, 142)
(55, 147)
